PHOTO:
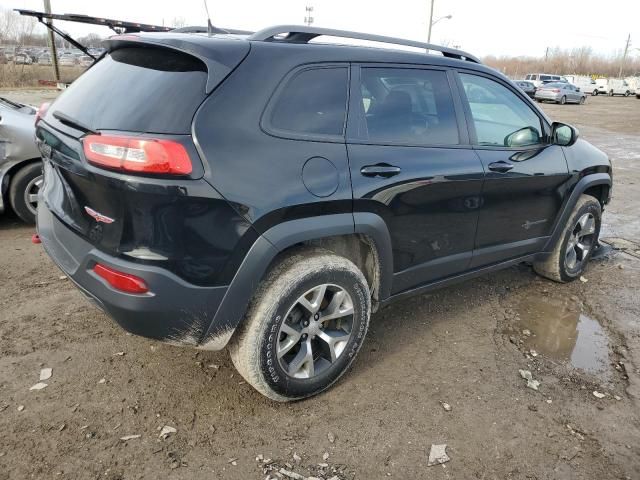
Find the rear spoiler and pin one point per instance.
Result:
(220, 62)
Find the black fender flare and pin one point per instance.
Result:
(280, 237)
(579, 188)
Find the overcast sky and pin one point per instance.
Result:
(483, 27)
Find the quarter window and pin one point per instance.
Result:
(408, 106)
(313, 102)
(498, 112)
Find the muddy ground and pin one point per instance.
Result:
(462, 345)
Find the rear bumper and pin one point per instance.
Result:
(175, 311)
(547, 96)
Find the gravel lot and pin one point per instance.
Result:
(463, 345)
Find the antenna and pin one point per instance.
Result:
(209, 25)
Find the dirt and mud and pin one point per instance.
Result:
(462, 346)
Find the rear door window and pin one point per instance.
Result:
(545, 77)
(151, 90)
(408, 106)
(313, 102)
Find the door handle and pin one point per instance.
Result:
(500, 166)
(383, 170)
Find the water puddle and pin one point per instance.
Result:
(561, 332)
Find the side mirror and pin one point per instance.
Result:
(522, 138)
(563, 134)
(577, 89)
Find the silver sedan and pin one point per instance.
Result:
(561, 93)
(20, 164)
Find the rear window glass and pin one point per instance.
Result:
(408, 106)
(313, 102)
(151, 90)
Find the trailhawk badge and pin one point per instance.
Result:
(98, 217)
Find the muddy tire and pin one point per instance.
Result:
(580, 237)
(24, 186)
(304, 326)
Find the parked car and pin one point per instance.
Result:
(585, 83)
(22, 59)
(560, 93)
(539, 79)
(85, 61)
(67, 61)
(613, 86)
(272, 210)
(527, 87)
(44, 59)
(20, 165)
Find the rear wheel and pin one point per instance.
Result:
(304, 326)
(23, 193)
(572, 253)
(627, 93)
(610, 93)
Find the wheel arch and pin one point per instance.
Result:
(363, 238)
(597, 185)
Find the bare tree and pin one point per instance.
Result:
(15, 28)
(577, 61)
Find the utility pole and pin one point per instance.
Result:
(52, 42)
(308, 19)
(430, 21)
(624, 55)
(546, 57)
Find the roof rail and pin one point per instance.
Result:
(304, 34)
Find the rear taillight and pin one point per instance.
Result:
(42, 111)
(555, 90)
(135, 154)
(124, 282)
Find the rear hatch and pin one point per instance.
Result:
(138, 101)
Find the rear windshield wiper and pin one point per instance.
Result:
(73, 123)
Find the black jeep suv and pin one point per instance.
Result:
(268, 193)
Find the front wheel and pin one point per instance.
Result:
(627, 93)
(563, 100)
(610, 93)
(304, 326)
(595, 93)
(582, 100)
(570, 256)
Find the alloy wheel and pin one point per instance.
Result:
(31, 194)
(580, 242)
(315, 332)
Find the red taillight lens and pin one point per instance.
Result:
(555, 90)
(134, 154)
(120, 280)
(41, 111)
